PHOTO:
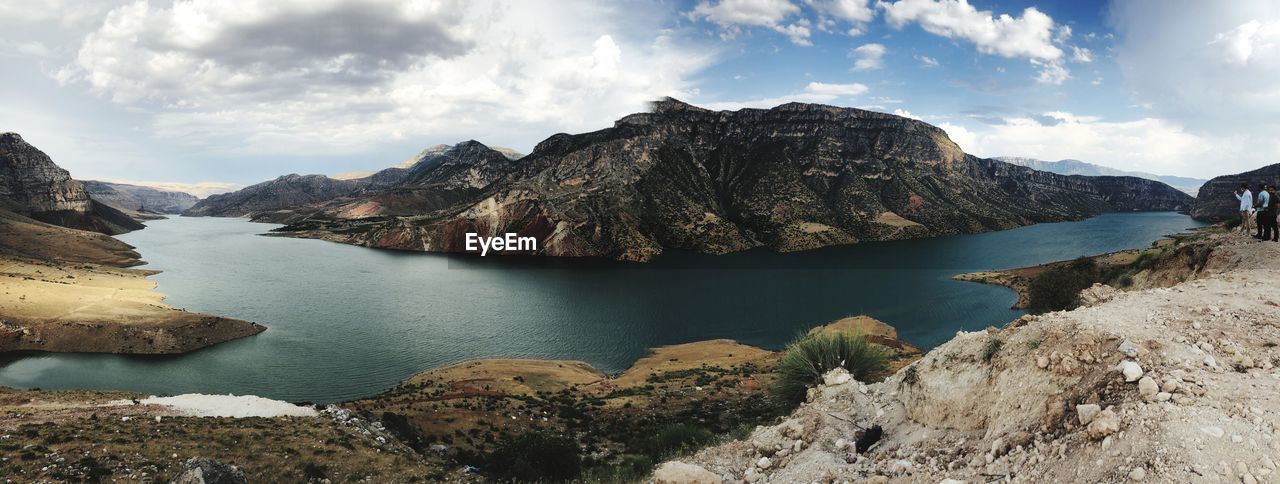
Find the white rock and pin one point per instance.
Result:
(1086, 412)
(1131, 370)
(1163, 396)
(1104, 423)
(1209, 360)
(1138, 474)
(1169, 385)
(676, 472)
(764, 463)
(1215, 432)
(838, 376)
(1147, 387)
(1128, 349)
(901, 466)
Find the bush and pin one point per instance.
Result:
(535, 457)
(1057, 289)
(806, 359)
(672, 439)
(1232, 222)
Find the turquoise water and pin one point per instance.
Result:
(347, 322)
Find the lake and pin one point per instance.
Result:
(346, 322)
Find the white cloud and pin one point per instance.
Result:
(1081, 54)
(258, 75)
(1147, 144)
(927, 61)
(1211, 67)
(814, 92)
(732, 15)
(1029, 36)
(868, 57)
(857, 13)
(906, 114)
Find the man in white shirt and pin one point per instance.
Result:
(1246, 208)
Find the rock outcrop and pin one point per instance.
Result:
(795, 177)
(1160, 384)
(139, 199)
(32, 185)
(1217, 200)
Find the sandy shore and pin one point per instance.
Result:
(68, 290)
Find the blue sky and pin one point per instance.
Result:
(212, 94)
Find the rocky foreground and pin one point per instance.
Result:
(1172, 384)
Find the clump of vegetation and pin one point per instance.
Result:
(1232, 222)
(992, 347)
(535, 457)
(1058, 289)
(806, 359)
(671, 440)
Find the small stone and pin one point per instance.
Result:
(1104, 423)
(764, 463)
(901, 467)
(1128, 349)
(1215, 432)
(1163, 396)
(841, 444)
(999, 447)
(1169, 385)
(1086, 412)
(1042, 362)
(1138, 474)
(1236, 439)
(1147, 387)
(1131, 370)
(1210, 361)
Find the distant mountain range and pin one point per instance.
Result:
(139, 201)
(1077, 167)
(795, 177)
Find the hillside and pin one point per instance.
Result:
(71, 290)
(32, 185)
(1217, 200)
(1076, 167)
(1162, 385)
(795, 177)
(134, 199)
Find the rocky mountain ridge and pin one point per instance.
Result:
(1217, 201)
(33, 186)
(1076, 167)
(795, 177)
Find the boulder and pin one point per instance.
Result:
(676, 472)
(208, 471)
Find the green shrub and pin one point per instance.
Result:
(1232, 222)
(535, 457)
(992, 347)
(672, 439)
(806, 359)
(1057, 289)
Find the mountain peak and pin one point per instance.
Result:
(10, 138)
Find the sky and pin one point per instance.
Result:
(210, 95)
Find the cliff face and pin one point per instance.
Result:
(795, 177)
(1217, 200)
(139, 199)
(32, 185)
(1127, 193)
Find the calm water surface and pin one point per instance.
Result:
(347, 322)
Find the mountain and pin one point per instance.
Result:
(32, 185)
(1077, 167)
(134, 199)
(281, 193)
(1217, 200)
(795, 177)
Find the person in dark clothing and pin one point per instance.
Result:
(1272, 214)
(1267, 229)
(1262, 201)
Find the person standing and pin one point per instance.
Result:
(1263, 201)
(1274, 228)
(1266, 213)
(1245, 197)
